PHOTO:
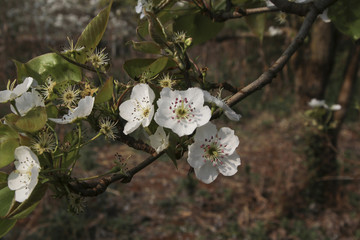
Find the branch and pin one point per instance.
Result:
(268, 75)
(94, 188)
(238, 13)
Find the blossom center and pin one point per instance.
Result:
(182, 109)
(213, 150)
(146, 112)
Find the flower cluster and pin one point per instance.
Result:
(183, 112)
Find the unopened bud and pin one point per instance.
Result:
(188, 42)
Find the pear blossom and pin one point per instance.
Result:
(182, 111)
(8, 95)
(231, 114)
(83, 110)
(24, 179)
(26, 102)
(159, 140)
(213, 152)
(321, 103)
(138, 110)
(143, 4)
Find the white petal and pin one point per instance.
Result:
(23, 87)
(159, 141)
(195, 154)
(34, 178)
(139, 7)
(27, 101)
(5, 96)
(324, 16)
(231, 114)
(205, 132)
(131, 126)
(128, 110)
(228, 139)
(317, 103)
(22, 194)
(229, 165)
(146, 122)
(335, 107)
(141, 91)
(26, 157)
(207, 173)
(17, 180)
(194, 95)
(202, 115)
(184, 127)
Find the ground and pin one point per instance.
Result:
(162, 202)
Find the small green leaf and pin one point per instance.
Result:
(6, 225)
(33, 121)
(156, 29)
(50, 64)
(197, 26)
(105, 93)
(26, 207)
(6, 199)
(146, 47)
(9, 140)
(136, 67)
(346, 17)
(93, 33)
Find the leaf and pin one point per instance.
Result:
(135, 67)
(6, 199)
(256, 23)
(3, 179)
(197, 26)
(26, 207)
(146, 47)
(33, 121)
(93, 33)
(6, 225)
(156, 29)
(49, 64)
(105, 93)
(346, 17)
(9, 140)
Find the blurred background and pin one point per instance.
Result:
(300, 171)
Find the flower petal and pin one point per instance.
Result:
(131, 126)
(128, 110)
(23, 87)
(205, 132)
(207, 173)
(17, 180)
(229, 165)
(195, 156)
(5, 96)
(22, 194)
(27, 101)
(146, 122)
(202, 116)
(142, 92)
(228, 139)
(26, 157)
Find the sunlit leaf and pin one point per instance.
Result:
(50, 64)
(9, 140)
(146, 47)
(136, 67)
(93, 33)
(33, 121)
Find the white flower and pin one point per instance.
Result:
(159, 141)
(8, 95)
(213, 152)
(274, 31)
(83, 110)
(321, 103)
(143, 4)
(26, 102)
(138, 109)
(24, 179)
(182, 111)
(231, 114)
(317, 103)
(324, 16)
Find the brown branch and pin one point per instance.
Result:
(94, 188)
(237, 12)
(268, 75)
(300, 9)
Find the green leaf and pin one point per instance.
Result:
(345, 14)
(6, 199)
(197, 26)
(256, 23)
(105, 93)
(136, 67)
(6, 225)
(93, 33)
(9, 140)
(146, 47)
(25, 208)
(3, 179)
(50, 64)
(33, 121)
(156, 29)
